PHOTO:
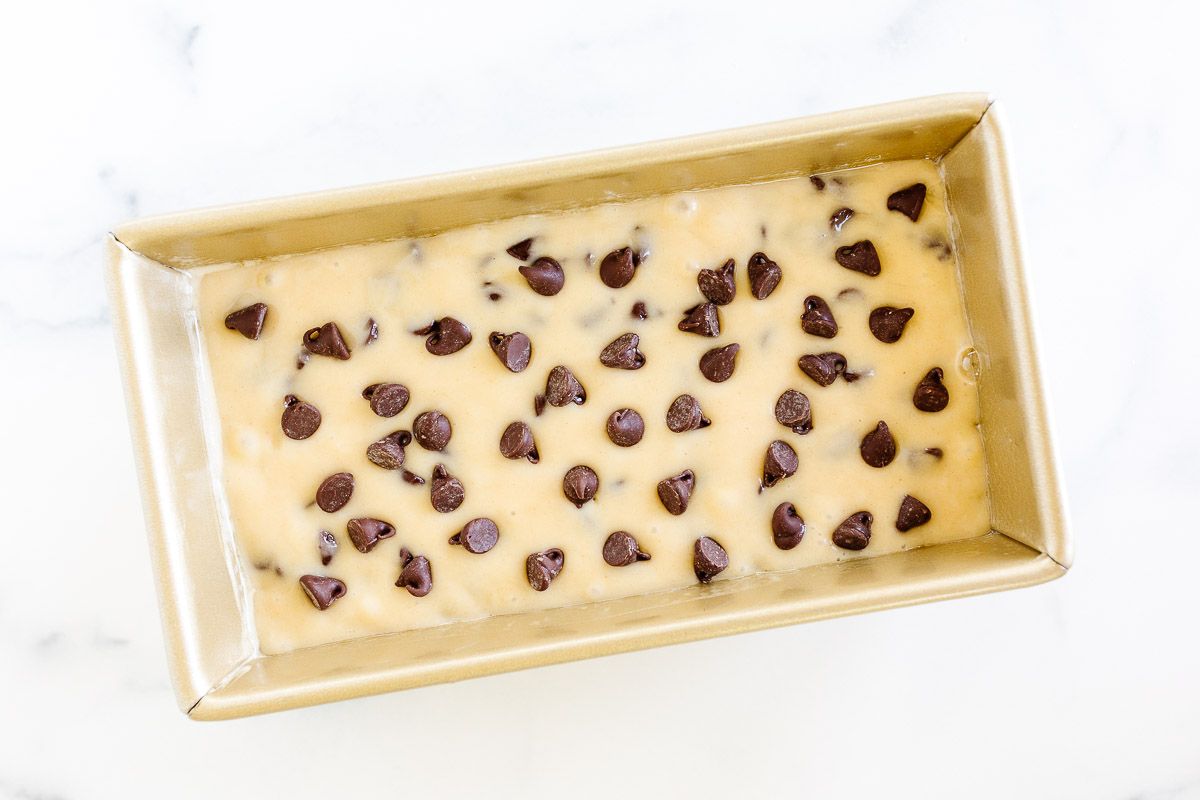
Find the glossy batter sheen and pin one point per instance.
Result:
(270, 480)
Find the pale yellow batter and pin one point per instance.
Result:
(270, 480)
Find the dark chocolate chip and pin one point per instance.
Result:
(718, 285)
(517, 442)
(322, 591)
(539, 404)
(702, 319)
(326, 341)
(248, 321)
(794, 411)
(860, 257)
(520, 250)
(302, 358)
(913, 513)
(685, 414)
(580, 485)
(388, 452)
(621, 550)
(327, 546)
(840, 218)
(855, 532)
(931, 395)
(878, 447)
(625, 427)
(387, 399)
(446, 493)
(513, 349)
(764, 275)
(300, 419)
(936, 452)
(445, 336)
(676, 492)
(617, 268)
(818, 318)
(494, 296)
(851, 377)
(787, 526)
(639, 311)
(562, 388)
(412, 477)
(372, 332)
(432, 430)
(816, 181)
(709, 559)
(366, 532)
(477, 536)
(542, 568)
(623, 353)
(908, 201)
(335, 491)
(823, 368)
(780, 462)
(545, 276)
(887, 323)
(416, 574)
(717, 364)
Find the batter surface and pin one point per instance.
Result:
(733, 463)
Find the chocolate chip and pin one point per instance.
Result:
(542, 568)
(908, 201)
(718, 284)
(432, 430)
(366, 532)
(623, 353)
(780, 462)
(851, 377)
(818, 318)
(322, 591)
(445, 336)
(562, 388)
(447, 492)
(702, 319)
(639, 311)
(416, 574)
(580, 485)
(334, 492)
(621, 550)
(717, 364)
(685, 415)
(878, 447)
(860, 257)
(887, 323)
(513, 349)
(840, 218)
(517, 442)
(520, 250)
(412, 477)
(816, 181)
(913, 513)
(248, 321)
(676, 492)
(494, 296)
(372, 332)
(709, 559)
(326, 341)
(388, 452)
(794, 411)
(823, 368)
(855, 532)
(617, 268)
(936, 452)
(477, 536)
(302, 358)
(931, 395)
(545, 276)
(539, 404)
(625, 427)
(300, 419)
(764, 275)
(387, 399)
(327, 546)
(787, 526)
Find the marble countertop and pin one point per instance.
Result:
(1083, 688)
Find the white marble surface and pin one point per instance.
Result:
(1085, 688)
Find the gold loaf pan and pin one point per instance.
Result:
(215, 665)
